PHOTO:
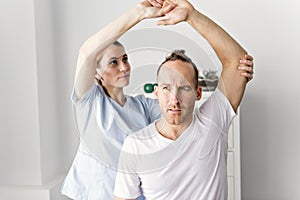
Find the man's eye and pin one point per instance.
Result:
(166, 88)
(186, 88)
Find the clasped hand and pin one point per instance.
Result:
(174, 11)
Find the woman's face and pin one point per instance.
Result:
(114, 67)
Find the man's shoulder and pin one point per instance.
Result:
(143, 133)
(136, 141)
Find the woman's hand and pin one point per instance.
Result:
(175, 11)
(246, 67)
(149, 11)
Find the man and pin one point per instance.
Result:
(183, 154)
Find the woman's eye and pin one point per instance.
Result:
(113, 62)
(125, 59)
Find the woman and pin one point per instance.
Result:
(104, 114)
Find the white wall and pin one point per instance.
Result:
(269, 113)
(29, 147)
(20, 140)
(47, 97)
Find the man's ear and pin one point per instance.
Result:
(199, 93)
(155, 92)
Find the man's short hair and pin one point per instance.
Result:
(180, 55)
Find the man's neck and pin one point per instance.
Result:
(171, 131)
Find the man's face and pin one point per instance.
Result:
(176, 92)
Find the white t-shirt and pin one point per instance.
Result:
(103, 125)
(191, 167)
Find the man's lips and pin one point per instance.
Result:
(174, 110)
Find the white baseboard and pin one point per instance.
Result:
(50, 191)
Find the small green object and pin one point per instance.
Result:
(148, 88)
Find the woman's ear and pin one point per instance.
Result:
(98, 72)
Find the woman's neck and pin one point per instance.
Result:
(116, 94)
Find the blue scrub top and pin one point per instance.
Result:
(103, 125)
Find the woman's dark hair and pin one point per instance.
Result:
(180, 55)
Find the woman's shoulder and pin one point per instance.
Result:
(142, 98)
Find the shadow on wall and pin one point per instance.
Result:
(256, 154)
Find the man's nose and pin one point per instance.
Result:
(174, 96)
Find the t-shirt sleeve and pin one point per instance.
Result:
(127, 184)
(218, 109)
